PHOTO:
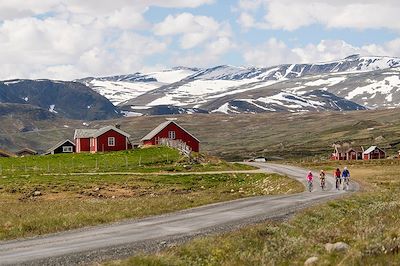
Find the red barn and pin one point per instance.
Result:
(374, 153)
(346, 152)
(101, 140)
(173, 131)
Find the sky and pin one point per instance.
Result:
(69, 39)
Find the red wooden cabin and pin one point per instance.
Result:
(101, 140)
(171, 130)
(374, 153)
(346, 152)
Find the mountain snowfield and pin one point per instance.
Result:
(352, 83)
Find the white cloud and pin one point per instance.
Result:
(211, 54)
(272, 52)
(194, 30)
(67, 39)
(54, 48)
(291, 15)
(275, 52)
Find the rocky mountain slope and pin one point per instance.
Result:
(62, 98)
(353, 83)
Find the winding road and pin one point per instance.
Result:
(150, 234)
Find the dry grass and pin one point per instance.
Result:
(368, 222)
(72, 202)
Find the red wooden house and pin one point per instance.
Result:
(101, 140)
(374, 153)
(171, 130)
(345, 152)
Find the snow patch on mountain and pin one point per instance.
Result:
(52, 109)
(326, 82)
(386, 86)
(171, 75)
(118, 92)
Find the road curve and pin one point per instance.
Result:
(127, 238)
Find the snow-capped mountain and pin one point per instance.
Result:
(352, 83)
(121, 88)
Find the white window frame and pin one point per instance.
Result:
(171, 134)
(68, 149)
(111, 141)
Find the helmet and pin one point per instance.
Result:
(345, 168)
(322, 171)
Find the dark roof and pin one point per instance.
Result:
(160, 127)
(7, 153)
(26, 150)
(94, 133)
(346, 149)
(59, 144)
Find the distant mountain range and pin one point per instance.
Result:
(66, 99)
(354, 83)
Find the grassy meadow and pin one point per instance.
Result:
(37, 198)
(368, 221)
(145, 160)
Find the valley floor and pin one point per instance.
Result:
(367, 221)
(46, 194)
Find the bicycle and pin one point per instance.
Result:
(323, 184)
(346, 182)
(310, 185)
(338, 182)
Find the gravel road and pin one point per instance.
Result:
(126, 238)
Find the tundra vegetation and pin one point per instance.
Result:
(367, 221)
(45, 194)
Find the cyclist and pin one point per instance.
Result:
(346, 178)
(337, 175)
(322, 179)
(310, 180)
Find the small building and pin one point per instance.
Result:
(374, 153)
(260, 159)
(346, 152)
(65, 146)
(172, 131)
(355, 153)
(105, 139)
(26, 152)
(6, 154)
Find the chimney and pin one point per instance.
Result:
(118, 126)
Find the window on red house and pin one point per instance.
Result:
(111, 141)
(171, 135)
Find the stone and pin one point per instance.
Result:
(37, 193)
(311, 261)
(337, 247)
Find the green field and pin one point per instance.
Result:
(139, 160)
(367, 221)
(40, 195)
